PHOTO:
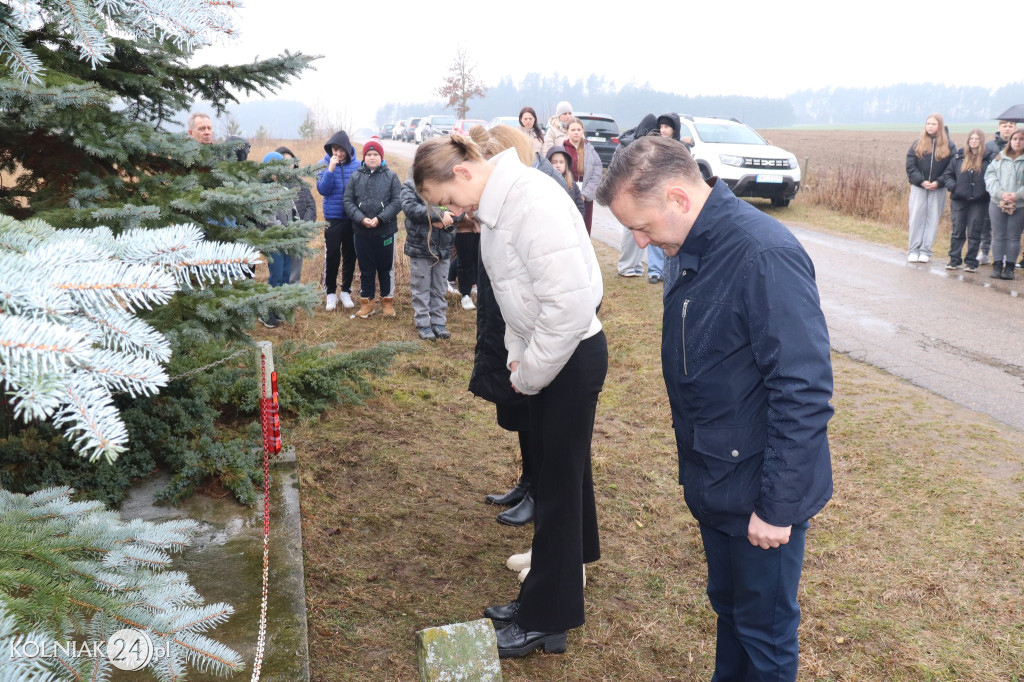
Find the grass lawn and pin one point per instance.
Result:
(913, 572)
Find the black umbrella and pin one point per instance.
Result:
(1014, 113)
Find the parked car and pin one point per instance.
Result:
(385, 131)
(503, 121)
(410, 129)
(396, 132)
(463, 125)
(433, 126)
(749, 164)
(601, 131)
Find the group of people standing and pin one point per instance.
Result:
(750, 411)
(985, 182)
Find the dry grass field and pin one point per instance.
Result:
(913, 571)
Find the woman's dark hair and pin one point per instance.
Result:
(535, 130)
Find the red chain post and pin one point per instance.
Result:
(270, 421)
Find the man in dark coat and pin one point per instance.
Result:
(745, 354)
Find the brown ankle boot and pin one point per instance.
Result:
(366, 309)
(388, 306)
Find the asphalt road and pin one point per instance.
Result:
(959, 335)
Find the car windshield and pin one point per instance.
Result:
(443, 121)
(722, 133)
(600, 126)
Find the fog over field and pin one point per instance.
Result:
(400, 51)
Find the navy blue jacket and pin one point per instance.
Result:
(332, 185)
(745, 353)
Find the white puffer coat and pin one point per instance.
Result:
(543, 269)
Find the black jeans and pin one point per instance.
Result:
(340, 249)
(565, 516)
(376, 256)
(468, 246)
(968, 221)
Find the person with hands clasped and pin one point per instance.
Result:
(547, 282)
(373, 198)
(745, 356)
(429, 237)
(586, 167)
(1004, 180)
(926, 162)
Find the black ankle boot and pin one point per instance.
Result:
(514, 642)
(1008, 270)
(512, 497)
(997, 270)
(504, 613)
(519, 515)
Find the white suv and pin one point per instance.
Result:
(748, 164)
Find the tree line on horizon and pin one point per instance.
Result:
(899, 104)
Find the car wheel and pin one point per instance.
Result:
(705, 172)
(780, 202)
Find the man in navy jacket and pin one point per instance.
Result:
(745, 354)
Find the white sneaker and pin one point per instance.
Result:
(346, 300)
(452, 289)
(467, 303)
(921, 258)
(518, 562)
(332, 302)
(911, 257)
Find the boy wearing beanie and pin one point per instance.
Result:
(373, 200)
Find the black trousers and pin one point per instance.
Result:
(565, 516)
(340, 249)
(968, 220)
(467, 244)
(376, 257)
(517, 418)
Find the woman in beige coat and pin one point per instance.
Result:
(557, 127)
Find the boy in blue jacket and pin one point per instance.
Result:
(331, 182)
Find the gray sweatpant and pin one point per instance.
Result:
(428, 282)
(632, 255)
(925, 210)
(1006, 231)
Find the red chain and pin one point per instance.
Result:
(270, 421)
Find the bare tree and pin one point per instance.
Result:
(460, 85)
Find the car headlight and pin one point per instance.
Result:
(793, 163)
(730, 160)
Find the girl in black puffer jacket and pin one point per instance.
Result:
(926, 162)
(965, 180)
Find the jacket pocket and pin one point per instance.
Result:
(733, 460)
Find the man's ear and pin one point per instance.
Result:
(678, 197)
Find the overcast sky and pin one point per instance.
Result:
(400, 50)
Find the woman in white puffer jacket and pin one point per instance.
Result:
(547, 282)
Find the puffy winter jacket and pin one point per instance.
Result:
(491, 379)
(927, 168)
(995, 145)
(374, 194)
(556, 134)
(331, 185)
(1005, 175)
(423, 240)
(575, 193)
(592, 168)
(966, 186)
(543, 268)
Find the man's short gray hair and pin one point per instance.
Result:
(644, 166)
(194, 116)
